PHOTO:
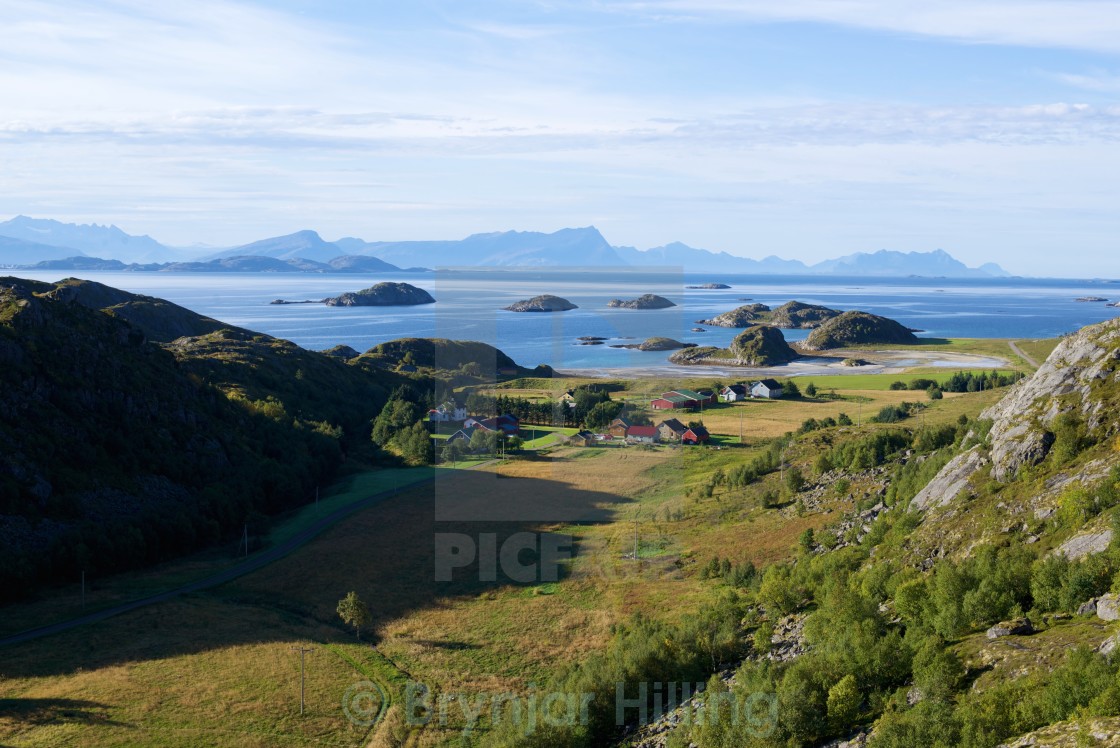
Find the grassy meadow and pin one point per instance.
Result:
(217, 667)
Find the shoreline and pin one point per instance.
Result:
(881, 362)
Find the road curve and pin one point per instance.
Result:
(1019, 352)
(255, 562)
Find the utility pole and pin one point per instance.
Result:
(302, 652)
(636, 538)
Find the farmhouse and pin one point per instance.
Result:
(767, 388)
(641, 435)
(508, 424)
(447, 412)
(459, 435)
(695, 435)
(671, 430)
(734, 393)
(618, 428)
(568, 397)
(582, 439)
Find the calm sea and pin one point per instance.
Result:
(469, 307)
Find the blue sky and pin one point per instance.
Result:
(807, 128)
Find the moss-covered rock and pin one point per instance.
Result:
(858, 328)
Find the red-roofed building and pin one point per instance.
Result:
(641, 435)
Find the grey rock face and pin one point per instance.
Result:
(1080, 546)
(1020, 434)
(950, 480)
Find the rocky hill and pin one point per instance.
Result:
(384, 294)
(762, 345)
(744, 316)
(543, 303)
(757, 346)
(645, 301)
(439, 356)
(793, 315)
(857, 328)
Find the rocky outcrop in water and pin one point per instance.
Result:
(542, 303)
(383, 294)
(744, 316)
(645, 301)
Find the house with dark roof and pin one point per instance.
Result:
(695, 435)
(733, 393)
(766, 388)
(671, 430)
(618, 428)
(582, 439)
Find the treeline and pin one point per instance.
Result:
(963, 381)
(593, 408)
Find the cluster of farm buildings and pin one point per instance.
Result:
(620, 431)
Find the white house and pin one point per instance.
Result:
(767, 388)
(733, 393)
(449, 411)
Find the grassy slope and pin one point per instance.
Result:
(232, 677)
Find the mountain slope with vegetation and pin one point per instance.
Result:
(118, 450)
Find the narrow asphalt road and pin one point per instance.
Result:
(260, 560)
(1019, 352)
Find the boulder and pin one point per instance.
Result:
(1087, 608)
(1014, 627)
(1108, 607)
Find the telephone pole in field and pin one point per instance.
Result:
(302, 653)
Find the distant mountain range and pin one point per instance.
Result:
(44, 244)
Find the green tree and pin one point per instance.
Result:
(843, 703)
(354, 612)
(811, 389)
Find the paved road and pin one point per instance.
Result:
(1019, 352)
(251, 564)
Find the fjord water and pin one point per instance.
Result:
(469, 307)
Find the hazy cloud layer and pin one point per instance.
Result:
(993, 133)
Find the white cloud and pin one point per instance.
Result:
(1076, 24)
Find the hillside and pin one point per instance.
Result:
(439, 356)
(857, 328)
(122, 443)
